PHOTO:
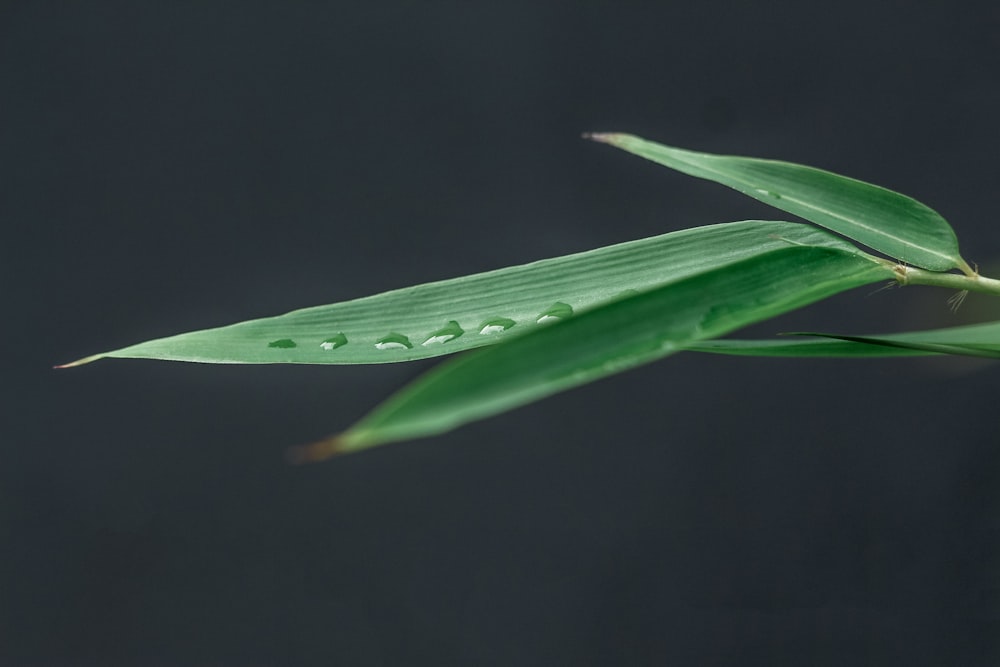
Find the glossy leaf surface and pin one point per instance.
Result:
(463, 313)
(892, 223)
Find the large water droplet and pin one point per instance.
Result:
(496, 325)
(283, 342)
(557, 311)
(393, 341)
(333, 342)
(450, 331)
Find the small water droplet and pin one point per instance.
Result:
(393, 341)
(767, 193)
(449, 332)
(283, 342)
(557, 311)
(333, 342)
(495, 325)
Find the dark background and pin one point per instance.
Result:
(173, 166)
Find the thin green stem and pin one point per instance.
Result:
(907, 275)
(966, 269)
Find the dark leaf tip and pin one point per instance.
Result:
(315, 452)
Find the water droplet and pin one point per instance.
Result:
(495, 325)
(450, 331)
(393, 341)
(333, 342)
(283, 342)
(767, 193)
(557, 311)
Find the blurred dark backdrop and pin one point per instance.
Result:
(172, 166)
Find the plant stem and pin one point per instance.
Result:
(907, 275)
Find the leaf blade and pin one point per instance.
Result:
(605, 340)
(890, 222)
(472, 311)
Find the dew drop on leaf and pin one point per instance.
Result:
(333, 342)
(393, 341)
(557, 311)
(282, 342)
(449, 332)
(496, 325)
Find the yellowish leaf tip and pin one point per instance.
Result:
(81, 362)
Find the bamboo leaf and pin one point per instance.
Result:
(463, 313)
(978, 340)
(887, 221)
(607, 339)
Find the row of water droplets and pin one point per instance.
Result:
(447, 333)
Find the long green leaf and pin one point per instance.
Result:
(978, 340)
(887, 221)
(462, 313)
(608, 339)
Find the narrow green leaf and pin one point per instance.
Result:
(887, 221)
(810, 347)
(462, 313)
(606, 340)
(939, 348)
(978, 340)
